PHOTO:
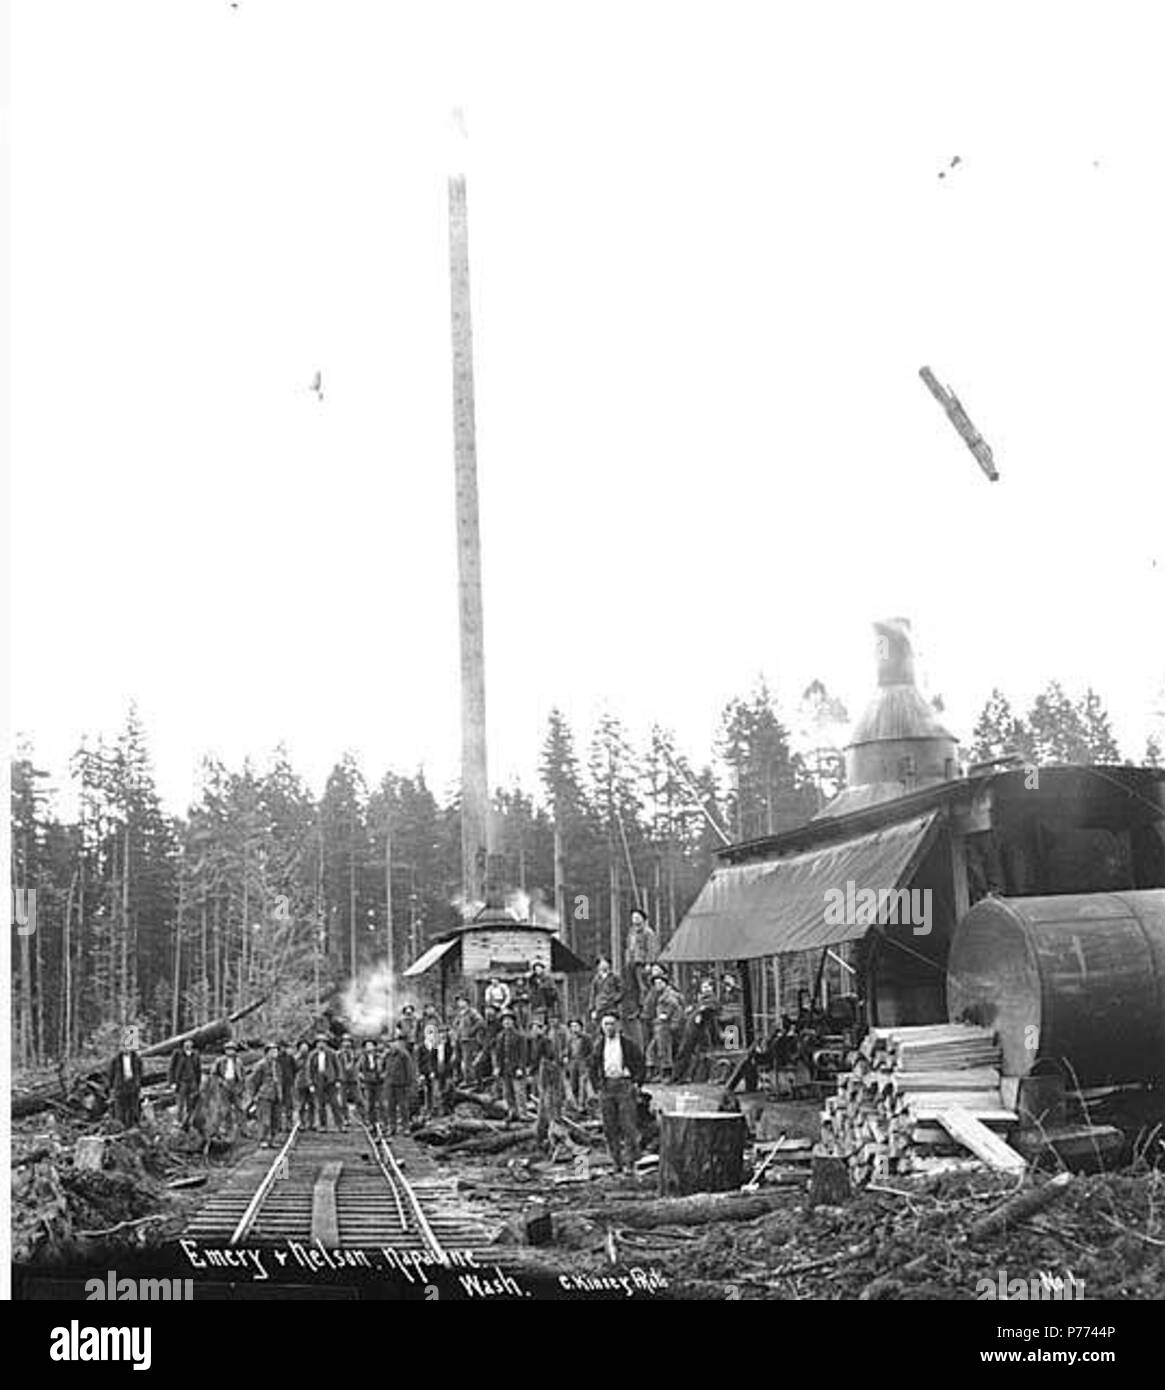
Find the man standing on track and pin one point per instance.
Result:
(371, 1077)
(400, 1077)
(267, 1096)
(325, 1081)
(229, 1071)
(287, 1074)
(347, 1061)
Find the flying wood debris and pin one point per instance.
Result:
(958, 417)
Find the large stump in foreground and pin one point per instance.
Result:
(702, 1152)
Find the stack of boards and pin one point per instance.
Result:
(916, 1099)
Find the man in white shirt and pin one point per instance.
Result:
(125, 1084)
(229, 1071)
(617, 1071)
(497, 995)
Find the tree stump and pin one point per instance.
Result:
(829, 1184)
(701, 1152)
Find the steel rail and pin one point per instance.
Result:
(374, 1141)
(247, 1220)
(401, 1184)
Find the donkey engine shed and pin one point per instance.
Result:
(948, 968)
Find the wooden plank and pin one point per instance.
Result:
(970, 1079)
(975, 1135)
(325, 1222)
(934, 1101)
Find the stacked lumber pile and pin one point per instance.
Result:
(893, 1110)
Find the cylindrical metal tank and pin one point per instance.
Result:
(1077, 980)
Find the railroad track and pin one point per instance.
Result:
(342, 1190)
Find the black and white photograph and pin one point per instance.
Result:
(586, 631)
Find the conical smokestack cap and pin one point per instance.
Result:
(895, 651)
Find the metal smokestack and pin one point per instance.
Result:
(475, 837)
(898, 744)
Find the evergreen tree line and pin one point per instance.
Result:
(1055, 729)
(127, 915)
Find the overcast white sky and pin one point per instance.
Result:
(710, 250)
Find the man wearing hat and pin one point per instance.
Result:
(400, 1079)
(348, 1086)
(663, 1013)
(267, 1096)
(543, 993)
(467, 1029)
(606, 991)
(409, 1027)
(125, 1081)
(617, 1072)
(701, 1034)
(370, 1072)
(642, 944)
(229, 1071)
(434, 1058)
(510, 1060)
(287, 1074)
(324, 1071)
(186, 1078)
(304, 1091)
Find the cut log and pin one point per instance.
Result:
(454, 1130)
(490, 1108)
(1021, 1206)
(701, 1153)
(697, 1210)
(492, 1143)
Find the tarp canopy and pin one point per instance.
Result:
(429, 958)
(801, 903)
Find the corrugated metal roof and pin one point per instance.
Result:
(762, 909)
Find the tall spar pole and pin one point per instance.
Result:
(475, 838)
